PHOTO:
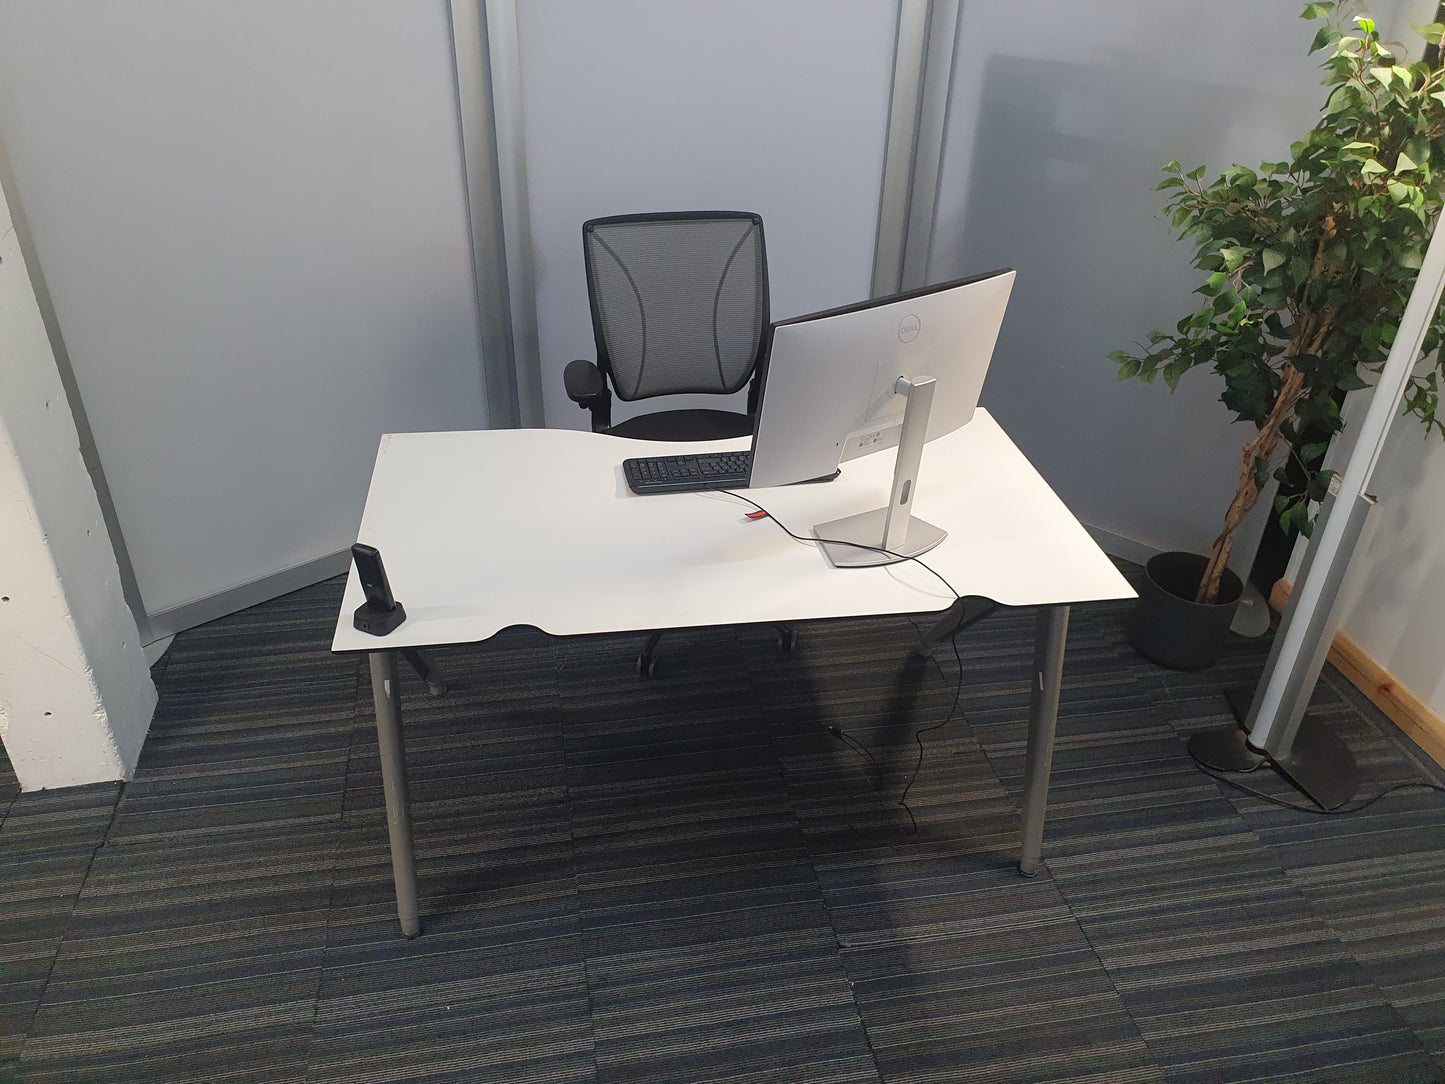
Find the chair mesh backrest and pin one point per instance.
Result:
(679, 302)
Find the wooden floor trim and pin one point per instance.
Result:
(1412, 715)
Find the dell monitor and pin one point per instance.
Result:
(895, 371)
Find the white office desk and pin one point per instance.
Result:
(483, 530)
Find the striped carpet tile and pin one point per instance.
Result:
(47, 842)
(695, 889)
(961, 968)
(1220, 960)
(495, 989)
(1372, 875)
(710, 876)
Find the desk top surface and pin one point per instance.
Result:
(486, 529)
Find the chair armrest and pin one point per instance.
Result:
(583, 381)
(586, 387)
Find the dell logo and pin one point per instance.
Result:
(908, 328)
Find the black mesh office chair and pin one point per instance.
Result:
(679, 304)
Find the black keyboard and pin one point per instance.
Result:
(682, 473)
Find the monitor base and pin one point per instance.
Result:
(865, 530)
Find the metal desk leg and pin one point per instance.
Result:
(386, 694)
(1049, 632)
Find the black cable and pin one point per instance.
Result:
(917, 734)
(1221, 777)
(952, 710)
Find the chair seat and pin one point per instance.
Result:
(685, 425)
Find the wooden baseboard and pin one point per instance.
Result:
(1402, 707)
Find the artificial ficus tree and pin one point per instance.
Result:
(1308, 265)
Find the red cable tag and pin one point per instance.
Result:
(759, 514)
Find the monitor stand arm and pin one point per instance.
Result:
(861, 540)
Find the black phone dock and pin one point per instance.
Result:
(380, 613)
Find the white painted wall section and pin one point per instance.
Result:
(252, 222)
(1060, 117)
(1398, 617)
(75, 694)
(752, 105)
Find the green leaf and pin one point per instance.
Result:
(1272, 258)
(1156, 337)
(1431, 32)
(1233, 255)
(1313, 451)
(1323, 36)
(1404, 163)
(1384, 75)
(1195, 173)
(1261, 472)
(1371, 166)
(1350, 380)
(1174, 370)
(1365, 23)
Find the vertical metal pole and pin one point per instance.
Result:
(386, 695)
(1276, 733)
(1049, 633)
(504, 68)
(899, 146)
(484, 47)
(919, 391)
(913, 148)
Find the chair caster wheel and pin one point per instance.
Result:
(787, 641)
(436, 688)
(646, 667)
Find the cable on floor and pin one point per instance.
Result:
(838, 732)
(1302, 808)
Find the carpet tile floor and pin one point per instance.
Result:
(739, 871)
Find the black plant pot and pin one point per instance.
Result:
(1168, 626)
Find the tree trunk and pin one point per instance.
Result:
(1261, 446)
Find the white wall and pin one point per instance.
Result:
(251, 220)
(1060, 117)
(1398, 618)
(652, 105)
(75, 693)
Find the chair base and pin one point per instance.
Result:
(685, 425)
